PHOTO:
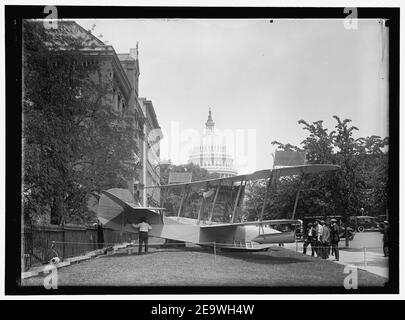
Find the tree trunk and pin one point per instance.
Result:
(56, 211)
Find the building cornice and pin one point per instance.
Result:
(108, 52)
(101, 49)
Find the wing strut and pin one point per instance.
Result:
(266, 196)
(297, 196)
(200, 210)
(183, 199)
(237, 201)
(215, 200)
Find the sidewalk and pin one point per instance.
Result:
(367, 260)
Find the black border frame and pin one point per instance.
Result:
(13, 21)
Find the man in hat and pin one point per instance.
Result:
(318, 239)
(310, 239)
(334, 238)
(144, 228)
(325, 240)
(385, 238)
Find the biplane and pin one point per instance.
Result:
(217, 221)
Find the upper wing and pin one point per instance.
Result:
(261, 174)
(215, 182)
(305, 169)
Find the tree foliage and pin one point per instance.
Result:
(73, 142)
(361, 181)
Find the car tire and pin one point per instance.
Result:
(360, 229)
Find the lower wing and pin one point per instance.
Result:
(263, 222)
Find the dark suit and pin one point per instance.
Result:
(310, 240)
(334, 236)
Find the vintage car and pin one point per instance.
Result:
(363, 223)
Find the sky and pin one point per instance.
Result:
(258, 77)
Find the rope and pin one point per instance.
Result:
(216, 244)
(233, 245)
(339, 247)
(72, 242)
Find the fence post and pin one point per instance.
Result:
(215, 251)
(296, 246)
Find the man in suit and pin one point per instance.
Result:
(310, 239)
(334, 238)
(325, 239)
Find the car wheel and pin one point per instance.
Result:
(360, 229)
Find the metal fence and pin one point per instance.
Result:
(42, 242)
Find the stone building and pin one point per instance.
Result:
(150, 155)
(211, 154)
(120, 75)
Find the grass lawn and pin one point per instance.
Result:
(198, 267)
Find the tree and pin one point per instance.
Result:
(348, 182)
(280, 200)
(319, 143)
(360, 182)
(73, 142)
(374, 168)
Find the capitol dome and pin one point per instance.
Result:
(211, 154)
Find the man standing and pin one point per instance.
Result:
(144, 228)
(385, 238)
(334, 238)
(310, 239)
(318, 245)
(325, 240)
